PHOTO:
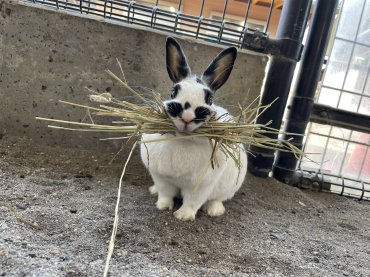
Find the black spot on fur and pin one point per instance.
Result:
(201, 114)
(187, 105)
(174, 109)
(183, 69)
(208, 96)
(175, 91)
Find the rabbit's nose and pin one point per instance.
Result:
(187, 116)
(185, 121)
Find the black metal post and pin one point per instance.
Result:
(340, 118)
(289, 38)
(302, 100)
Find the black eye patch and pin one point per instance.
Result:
(201, 114)
(208, 96)
(174, 109)
(175, 91)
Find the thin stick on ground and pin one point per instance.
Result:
(18, 216)
(115, 223)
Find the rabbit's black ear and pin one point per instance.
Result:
(177, 65)
(220, 68)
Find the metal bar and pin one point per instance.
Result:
(200, 19)
(177, 16)
(111, 7)
(201, 8)
(305, 144)
(309, 176)
(105, 8)
(344, 159)
(303, 98)
(269, 16)
(339, 138)
(127, 11)
(340, 118)
(222, 22)
(278, 80)
(241, 37)
(247, 12)
(363, 162)
(224, 11)
(347, 91)
(357, 42)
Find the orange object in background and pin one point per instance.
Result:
(356, 159)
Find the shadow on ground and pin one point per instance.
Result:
(269, 228)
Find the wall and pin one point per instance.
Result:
(46, 55)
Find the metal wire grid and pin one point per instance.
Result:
(217, 31)
(345, 156)
(347, 146)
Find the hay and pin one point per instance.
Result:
(18, 216)
(150, 116)
(115, 223)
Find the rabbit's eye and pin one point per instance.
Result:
(175, 91)
(208, 96)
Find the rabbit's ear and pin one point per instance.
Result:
(220, 68)
(177, 65)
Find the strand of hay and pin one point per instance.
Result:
(18, 216)
(115, 223)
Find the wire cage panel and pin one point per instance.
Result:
(213, 20)
(344, 158)
(343, 153)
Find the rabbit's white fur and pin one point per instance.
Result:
(177, 166)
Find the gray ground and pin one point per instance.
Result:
(269, 229)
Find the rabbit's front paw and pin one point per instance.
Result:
(153, 190)
(215, 208)
(164, 204)
(185, 213)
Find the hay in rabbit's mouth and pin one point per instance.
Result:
(150, 116)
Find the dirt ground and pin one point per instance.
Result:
(269, 229)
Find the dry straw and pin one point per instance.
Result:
(149, 116)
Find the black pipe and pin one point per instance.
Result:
(308, 77)
(340, 118)
(290, 33)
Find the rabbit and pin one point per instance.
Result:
(176, 166)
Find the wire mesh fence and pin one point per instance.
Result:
(344, 159)
(219, 21)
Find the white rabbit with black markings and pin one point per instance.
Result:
(176, 166)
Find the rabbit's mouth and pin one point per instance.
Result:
(182, 134)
